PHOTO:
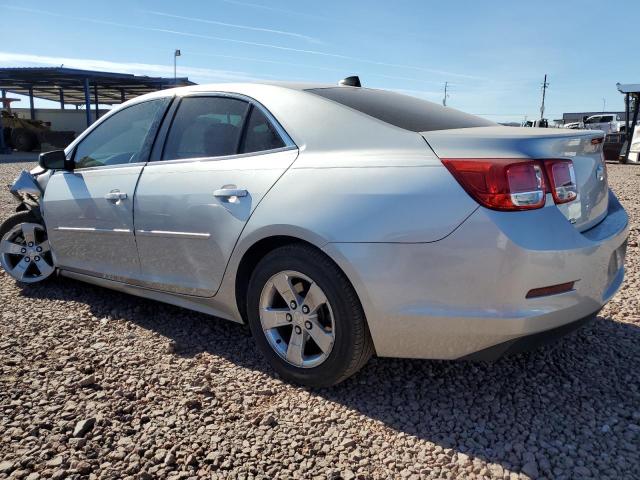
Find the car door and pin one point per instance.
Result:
(221, 156)
(89, 211)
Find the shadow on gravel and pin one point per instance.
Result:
(20, 157)
(564, 406)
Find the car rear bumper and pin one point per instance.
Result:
(528, 342)
(467, 292)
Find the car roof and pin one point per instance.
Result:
(240, 87)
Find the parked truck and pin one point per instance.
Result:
(607, 122)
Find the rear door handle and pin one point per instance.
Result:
(115, 196)
(230, 192)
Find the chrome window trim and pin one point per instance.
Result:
(289, 144)
(224, 157)
(104, 167)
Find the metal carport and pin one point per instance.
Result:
(80, 87)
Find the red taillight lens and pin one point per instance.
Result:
(562, 179)
(501, 184)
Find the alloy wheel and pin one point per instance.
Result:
(25, 253)
(297, 319)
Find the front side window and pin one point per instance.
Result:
(121, 137)
(206, 127)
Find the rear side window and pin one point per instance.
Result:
(401, 110)
(206, 127)
(260, 134)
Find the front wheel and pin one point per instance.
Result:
(24, 249)
(23, 140)
(306, 317)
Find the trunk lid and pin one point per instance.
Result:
(591, 204)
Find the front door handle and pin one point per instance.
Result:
(115, 196)
(230, 192)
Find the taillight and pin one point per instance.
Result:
(501, 184)
(562, 179)
(514, 184)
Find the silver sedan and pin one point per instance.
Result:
(337, 221)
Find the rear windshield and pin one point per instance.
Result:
(402, 111)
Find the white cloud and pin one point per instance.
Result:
(9, 59)
(249, 43)
(234, 25)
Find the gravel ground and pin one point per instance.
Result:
(99, 384)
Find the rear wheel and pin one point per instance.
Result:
(306, 317)
(24, 249)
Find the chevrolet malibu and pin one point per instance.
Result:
(337, 221)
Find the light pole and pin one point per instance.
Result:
(446, 95)
(176, 54)
(545, 85)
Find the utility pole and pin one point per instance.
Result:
(545, 85)
(604, 104)
(446, 95)
(176, 54)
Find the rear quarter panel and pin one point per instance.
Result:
(356, 178)
(407, 204)
(351, 203)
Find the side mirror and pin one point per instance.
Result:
(55, 160)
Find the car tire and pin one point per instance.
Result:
(43, 267)
(305, 266)
(23, 140)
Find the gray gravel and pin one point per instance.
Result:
(97, 384)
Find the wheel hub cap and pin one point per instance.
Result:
(297, 319)
(25, 253)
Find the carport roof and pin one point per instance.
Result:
(628, 87)
(112, 87)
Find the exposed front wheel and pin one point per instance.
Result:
(306, 317)
(24, 249)
(23, 140)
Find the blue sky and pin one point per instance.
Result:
(494, 54)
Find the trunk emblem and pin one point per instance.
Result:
(600, 173)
